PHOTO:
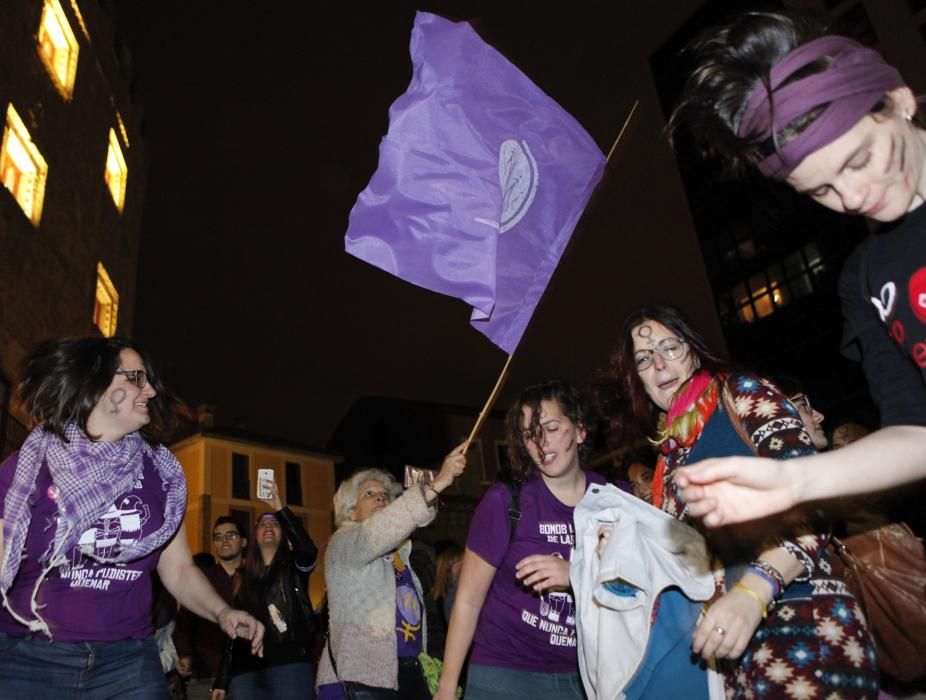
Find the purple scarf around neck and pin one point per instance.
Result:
(89, 477)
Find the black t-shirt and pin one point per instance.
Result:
(883, 292)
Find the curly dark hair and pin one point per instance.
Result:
(64, 379)
(619, 392)
(574, 405)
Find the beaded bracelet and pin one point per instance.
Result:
(766, 571)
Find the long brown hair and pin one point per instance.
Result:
(254, 567)
(620, 393)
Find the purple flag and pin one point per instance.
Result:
(481, 181)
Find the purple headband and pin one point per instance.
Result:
(851, 85)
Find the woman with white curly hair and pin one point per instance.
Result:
(377, 626)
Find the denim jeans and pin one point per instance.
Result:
(285, 682)
(491, 683)
(38, 669)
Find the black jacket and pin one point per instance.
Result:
(285, 586)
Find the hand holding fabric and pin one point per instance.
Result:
(543, 571)
(726, 628)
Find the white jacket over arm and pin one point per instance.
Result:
(648, 550)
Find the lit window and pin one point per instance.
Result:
(22, 167)
(106, 308)
(58, 47)
(116, 171)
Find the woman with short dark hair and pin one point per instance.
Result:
(835, 121)
(92, 505)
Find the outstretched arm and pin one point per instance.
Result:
(736, 489)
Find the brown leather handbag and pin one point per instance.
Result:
(885, 569)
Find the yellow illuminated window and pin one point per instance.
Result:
(58, 47)
(22, 167)
(116, 170)
(106, 308)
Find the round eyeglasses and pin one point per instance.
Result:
(138, 377)
(668, 349)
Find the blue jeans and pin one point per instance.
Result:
(285, 682)
(39, 669)
(492, 683)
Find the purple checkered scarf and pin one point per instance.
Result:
(849, 87)
(89, 477)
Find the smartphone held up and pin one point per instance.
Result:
(265, 479)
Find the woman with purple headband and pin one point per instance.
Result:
(836, 122)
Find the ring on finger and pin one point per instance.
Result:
(720, 630)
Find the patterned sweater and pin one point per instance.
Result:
(814, 642)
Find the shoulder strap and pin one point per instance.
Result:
(730, 407)
(514, 509)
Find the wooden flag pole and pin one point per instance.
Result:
(484, 413)
(503, 377)
(623, 129)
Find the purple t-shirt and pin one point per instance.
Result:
(84, 600)
(519, 629)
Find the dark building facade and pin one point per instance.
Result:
(72, 166)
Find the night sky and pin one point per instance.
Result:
(262, 123)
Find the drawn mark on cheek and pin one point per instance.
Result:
(117, 398)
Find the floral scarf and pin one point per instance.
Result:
(691, 408)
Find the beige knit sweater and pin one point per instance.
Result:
(362, 592)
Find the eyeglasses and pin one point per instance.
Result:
(801, 401)
(267, 523)
(138, 377)
(668, 349)
(225, 536)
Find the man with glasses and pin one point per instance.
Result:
(200, 643)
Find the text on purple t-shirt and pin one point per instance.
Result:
(83, 599)
(517, 628)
